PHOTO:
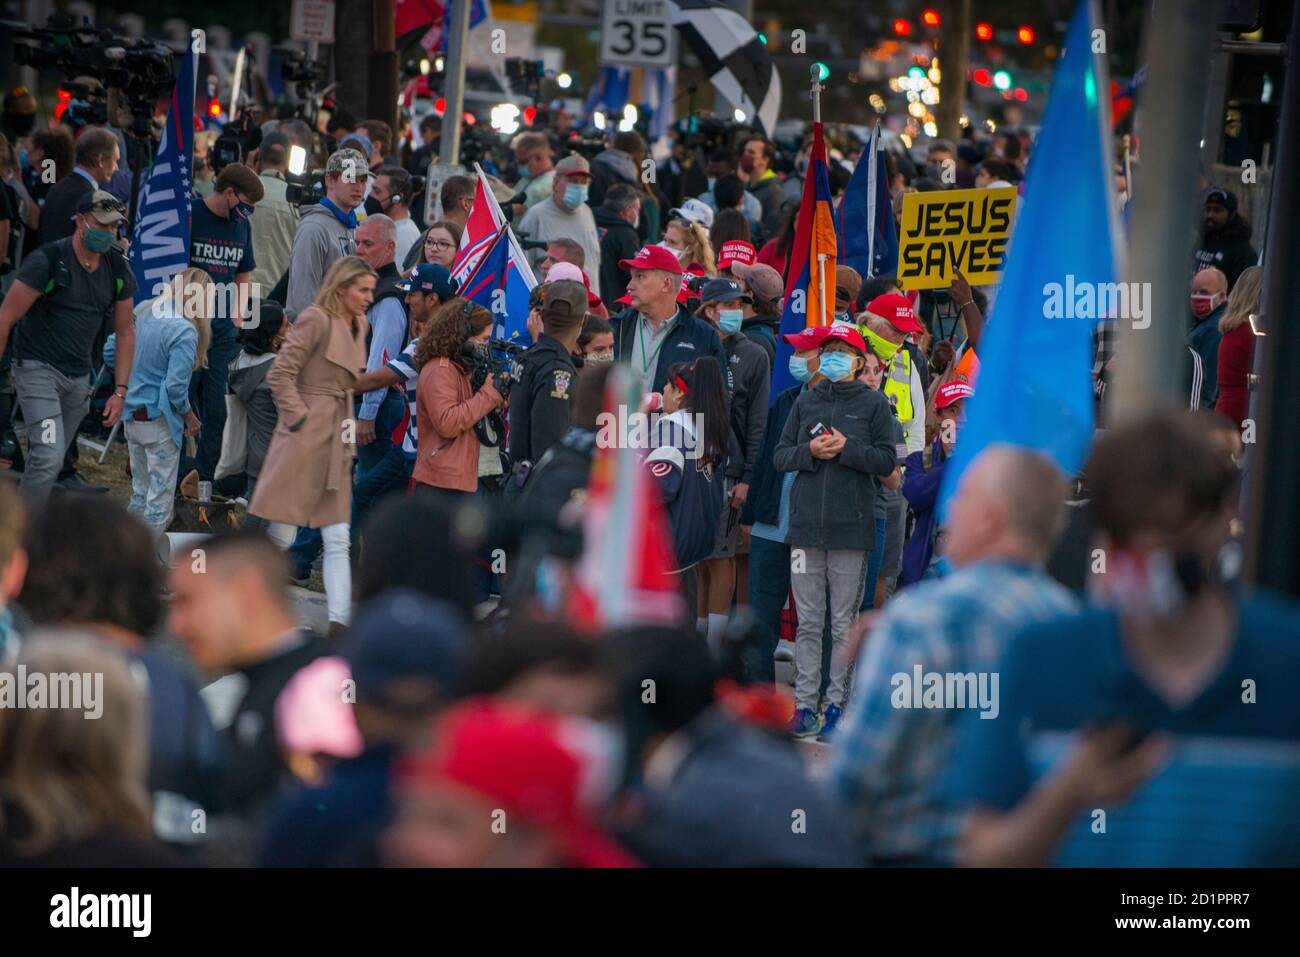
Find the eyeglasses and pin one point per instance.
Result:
(440, 244)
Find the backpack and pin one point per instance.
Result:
(61, 278)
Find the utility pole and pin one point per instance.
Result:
(954, 58)
(351, 54)
(381, 94)
(457, 43)
(1152, 358)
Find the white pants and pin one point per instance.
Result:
(337, 572)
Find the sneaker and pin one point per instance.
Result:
(805, 723)
(76, 483)
(830, 718)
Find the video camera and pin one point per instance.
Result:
(500, 358)
(143, 70)
(704, 133)
(526, 75)
(236, 141)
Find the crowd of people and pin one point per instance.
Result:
(350, 401)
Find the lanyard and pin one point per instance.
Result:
(646, 360)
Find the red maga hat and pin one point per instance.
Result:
(805, 339)
(653, 257)
(951, 392)
(897, 310)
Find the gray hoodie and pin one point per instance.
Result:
(321, 239)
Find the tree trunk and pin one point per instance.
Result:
(954, 60)
(353, 45)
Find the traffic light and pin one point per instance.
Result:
(982, 77)
(930, 18)
(902, 27)
(1002, 80)
(1025, 35)
(823, 71)
(984, 31)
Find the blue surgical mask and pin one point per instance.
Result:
(575, 194)
(712, 181)
(799, 369)
(836, 366)
(98, 241)
(729, 320)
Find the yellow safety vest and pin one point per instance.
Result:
(898, 378)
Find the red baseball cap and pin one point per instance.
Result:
(735, 251)
(845, 332)
(544, 768)
(951, 392)
(805, 339)
(897, 310)
(653, 257)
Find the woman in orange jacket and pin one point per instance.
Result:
(446, 405)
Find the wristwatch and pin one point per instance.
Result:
(122, 393)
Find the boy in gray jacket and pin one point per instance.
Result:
(838, 437)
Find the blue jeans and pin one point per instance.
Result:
(390, 413)
(390, 475)
(769, 584)
(873, 566)
(155, 457)
(208, 399)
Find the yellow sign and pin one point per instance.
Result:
(954, 230)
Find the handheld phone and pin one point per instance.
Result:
(817, 430)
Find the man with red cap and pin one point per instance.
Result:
(838, 437)
(922, 478)
(504, 786)
(767, 511)
(657, 330)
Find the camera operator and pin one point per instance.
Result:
(327, 231)
(392, 190)
(277, 218)
(539, 406)
(66, 293)
(97, 154)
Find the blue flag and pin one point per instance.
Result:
(160, 245)
(502, 287)
(1034, 387)
(864, 225)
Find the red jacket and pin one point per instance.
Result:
(1236, 358)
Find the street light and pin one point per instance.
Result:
(1025, 35)
(930, 18)
(823, 71)
(1002, 80)
(563, 80)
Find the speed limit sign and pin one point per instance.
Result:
(636, 33)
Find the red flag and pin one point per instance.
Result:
(415, 15)
(624, 576)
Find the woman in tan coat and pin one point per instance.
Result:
(446, 405)
(306, 479)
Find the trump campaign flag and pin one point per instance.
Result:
(864, 223)
(624, 575)
(810, 281)
(504, 288)
(160, 244)
(1035, 384)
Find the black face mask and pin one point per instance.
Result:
(373, 206)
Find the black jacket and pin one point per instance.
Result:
(540, 401)
(763, 504)
(618, 240)
(763, 330)
(833, 501)
(1227, 248)
(690, 338)
(61, 205)
(771, 195)
(749, 374)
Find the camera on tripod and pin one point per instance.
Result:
(236, 141)
(305, 187)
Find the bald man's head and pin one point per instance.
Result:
(1210, 281)
(1009, 504)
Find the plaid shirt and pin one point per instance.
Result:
(888, 763)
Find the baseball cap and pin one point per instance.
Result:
(313, 717)
(573, 165)
(653, 257)
(848, 283)
(723, 290)
(845, 332)
(736, 252)
(404, 645)
(105, 208)
(897, 310)
(348, 160)
(358, 141)
(805, 339)
(761, 279)
(429, 277)
(1222, 197)
(566, 271)
(951, 392)
(547, 770)
(693, 211)
(564, 299)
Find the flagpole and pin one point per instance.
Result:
(815, 75)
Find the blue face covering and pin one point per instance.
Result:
(729, 320)
(348, 219)
(575, 194)
(799, 368)
(98, 241)
(836, 366)
(240, 212)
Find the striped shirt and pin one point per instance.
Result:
(891, 757)
(404, 366)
